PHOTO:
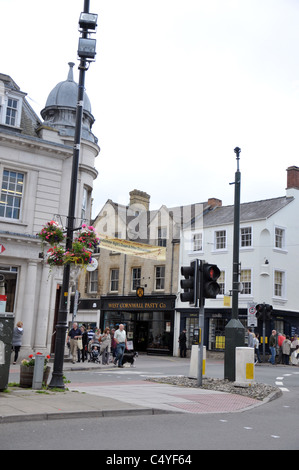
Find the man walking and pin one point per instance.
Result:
(272, 346)
(120, 338)
(72, 337)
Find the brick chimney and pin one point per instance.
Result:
(293, 177)
(139, 197)
(213, 202)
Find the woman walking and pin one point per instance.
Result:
(17, 340)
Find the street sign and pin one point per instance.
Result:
(2, 248)
(251, 317)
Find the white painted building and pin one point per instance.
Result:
(35, 171)
(268, 255)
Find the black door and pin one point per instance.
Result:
(141, 336)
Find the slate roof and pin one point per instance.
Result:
(250, 211)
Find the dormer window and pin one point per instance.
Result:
(11, 112)
(10, 109)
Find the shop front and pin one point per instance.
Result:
(149, 321)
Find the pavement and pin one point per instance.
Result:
(108, 399)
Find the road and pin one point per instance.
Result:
(272, 426)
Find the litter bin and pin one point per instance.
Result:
(6, 330)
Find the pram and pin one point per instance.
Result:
(94, 351)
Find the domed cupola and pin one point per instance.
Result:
(60, 110)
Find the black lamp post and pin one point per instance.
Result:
(86, 53)
(234, 330)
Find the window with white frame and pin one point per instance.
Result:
(246, 281)
(93, 281)
(197, 242)
(162, 236)
(279, 283)
(12, 191)
(136, 278)
(220, 240)
(160, 277)
(114, 278)
(279, 238)
(245, 237)
(11, 112)
(221, 282)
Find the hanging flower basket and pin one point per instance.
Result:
(78, 255)
(56, 256)
(88, 237)
(51, 233)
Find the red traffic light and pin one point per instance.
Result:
(210, 274)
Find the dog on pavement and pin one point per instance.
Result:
(129, 357)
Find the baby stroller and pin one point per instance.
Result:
(94, 351)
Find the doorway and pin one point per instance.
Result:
(141, 336)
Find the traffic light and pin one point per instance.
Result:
(189, 284)
(269, 309)
(264, 311)
(210, 274)
(259, 310)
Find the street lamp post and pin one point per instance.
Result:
(234, 330)
(86, 53)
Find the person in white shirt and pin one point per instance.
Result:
(121, 341)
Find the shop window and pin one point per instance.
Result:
(217, 333)
(8, 284)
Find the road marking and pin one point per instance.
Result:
(275, 437)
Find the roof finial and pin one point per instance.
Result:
(70, 76)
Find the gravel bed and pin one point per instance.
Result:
(256, 391)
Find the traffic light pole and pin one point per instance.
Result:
(201, 323)
(234, 330)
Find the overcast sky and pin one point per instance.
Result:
(176, 86)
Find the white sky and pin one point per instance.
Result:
(176, 86)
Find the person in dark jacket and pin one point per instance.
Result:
(17, 340)
(182, 342)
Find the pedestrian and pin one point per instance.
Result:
(286, 350)
(295, 356)
(183, 343)
(113, 343)
(72, 338)
(250, 338)
(256, 348)
(295, 343)
(121, 342)
(280, 339)
(17, 335)
(83, 352)
(105, 348)
(272, 346)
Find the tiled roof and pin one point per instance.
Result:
(250, 211)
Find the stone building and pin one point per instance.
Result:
(35, 168)
(110, 295)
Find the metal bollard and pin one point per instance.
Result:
(38, 374)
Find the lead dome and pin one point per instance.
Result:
(60, 108)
